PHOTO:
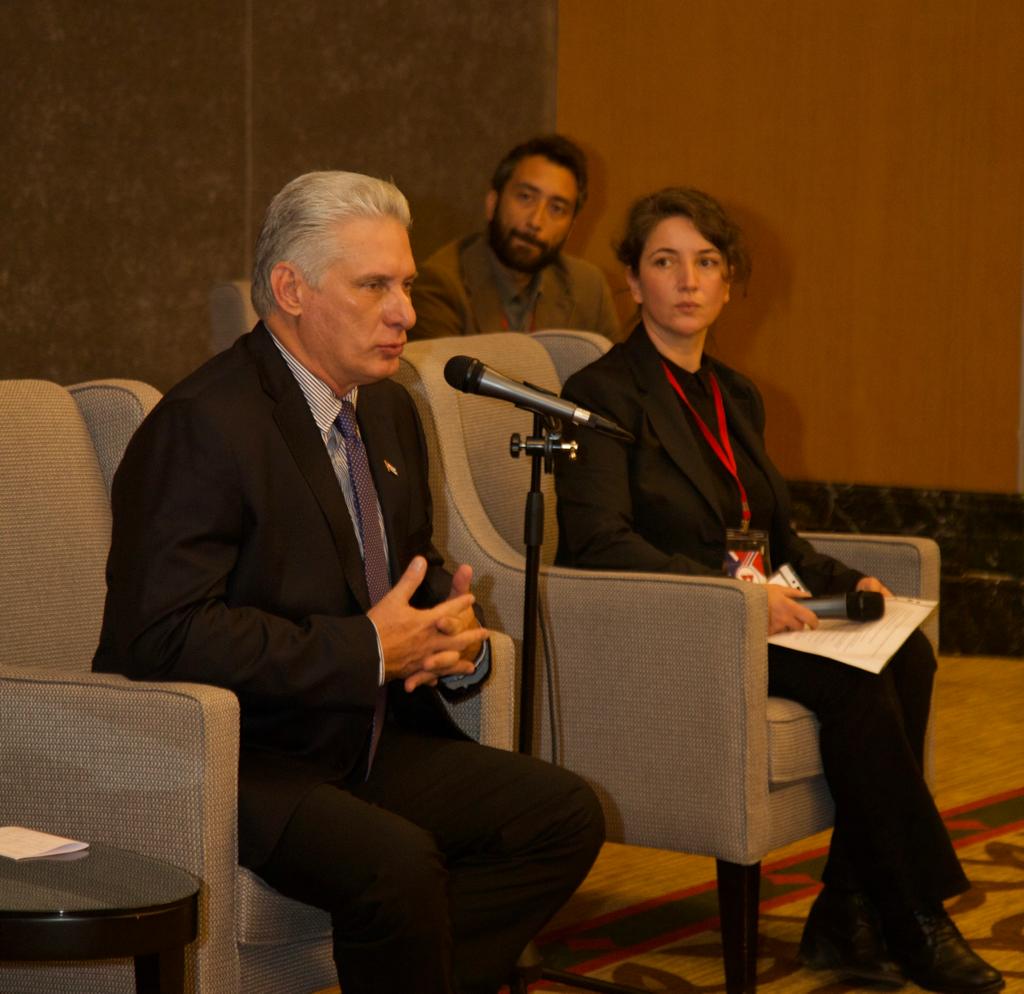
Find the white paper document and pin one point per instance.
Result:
(868, 645)
(25, 843)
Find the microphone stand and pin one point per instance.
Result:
(542, 446)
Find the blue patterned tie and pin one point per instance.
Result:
(375, 560)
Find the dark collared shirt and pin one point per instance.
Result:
(519, 305)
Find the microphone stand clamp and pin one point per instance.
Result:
(548, 444)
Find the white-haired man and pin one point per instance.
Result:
(272, 535)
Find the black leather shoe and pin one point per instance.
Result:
(843, 933)
(936, 957)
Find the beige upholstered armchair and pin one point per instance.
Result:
(664, 674)
(150, 767)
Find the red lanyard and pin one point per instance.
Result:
(721, 445)
(533, 320)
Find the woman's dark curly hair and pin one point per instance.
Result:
(707, 215)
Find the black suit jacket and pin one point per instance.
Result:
(651, 505)
(234, 562)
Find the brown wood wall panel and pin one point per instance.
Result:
(873, 152)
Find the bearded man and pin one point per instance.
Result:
(514, 276)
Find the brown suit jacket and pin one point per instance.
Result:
(455, 294)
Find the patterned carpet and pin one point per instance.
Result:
(671, 943)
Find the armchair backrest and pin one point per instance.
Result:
(468, 436)
(572, 350)
(58, 451)
(112, 410)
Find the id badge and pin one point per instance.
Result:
(746, 555)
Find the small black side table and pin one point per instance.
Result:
(101, 903)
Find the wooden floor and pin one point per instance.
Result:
(978, 717)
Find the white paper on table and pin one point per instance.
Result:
(26, 843)
(868, 645)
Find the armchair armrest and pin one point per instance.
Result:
(150, 767)
(661, 687)
(490, 716)
(908, 565)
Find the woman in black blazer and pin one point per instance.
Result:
(696, 478)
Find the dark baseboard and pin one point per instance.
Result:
(980, 535)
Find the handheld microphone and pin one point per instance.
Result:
(471, 376)
(858, 605)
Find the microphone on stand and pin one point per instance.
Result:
(471, 376)
(858, 605)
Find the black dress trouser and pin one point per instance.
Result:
(889, 839)
(440, 868)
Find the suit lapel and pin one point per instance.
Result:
(668, 421)
(301, 435)
(556, 304)
(478, 278)
(741, 427)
